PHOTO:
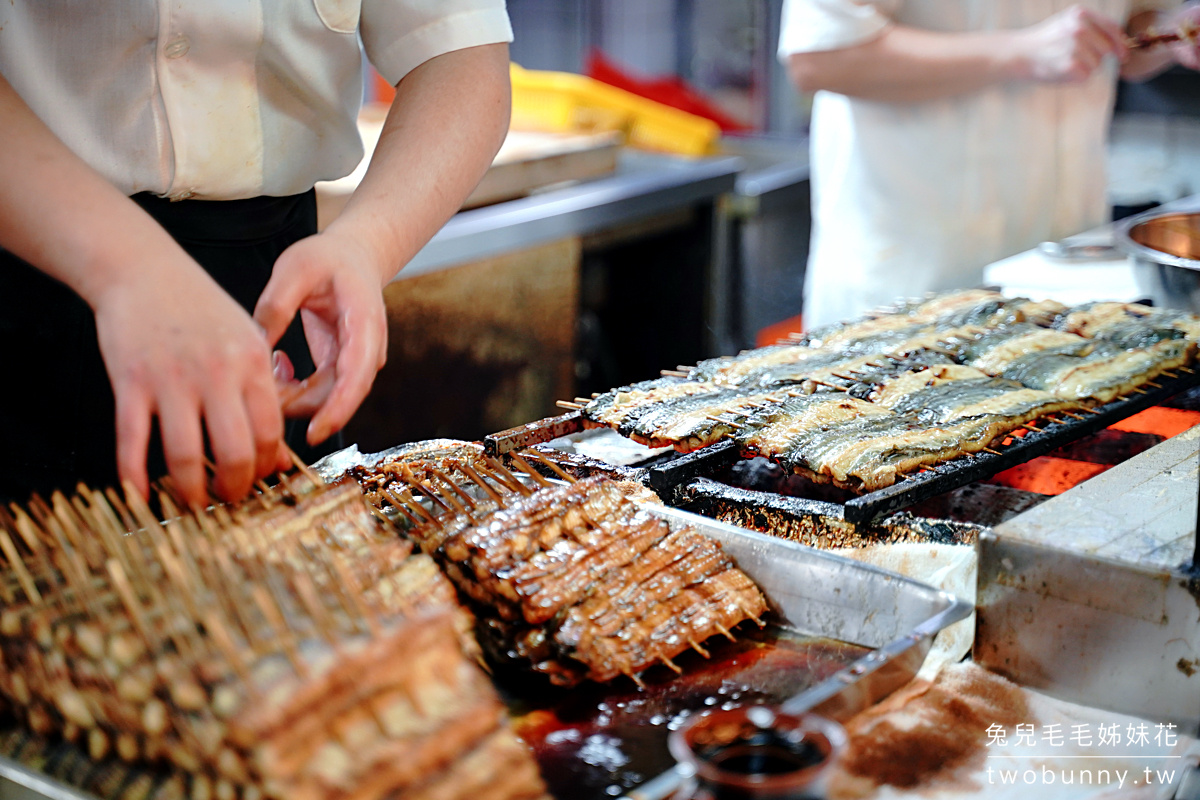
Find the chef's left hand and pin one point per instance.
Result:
(331, 279)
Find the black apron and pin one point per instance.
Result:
(57, 415)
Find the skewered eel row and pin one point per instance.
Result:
(863, 403)
(570, 579)
(291, 647)
(294, 647)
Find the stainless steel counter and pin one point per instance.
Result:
(644, 185)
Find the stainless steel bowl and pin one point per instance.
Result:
(1165, 248)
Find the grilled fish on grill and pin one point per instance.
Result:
(621, 406)
(992, 351)
(947, 394)
(870, 449)
(1130, 325)
(1106, 372)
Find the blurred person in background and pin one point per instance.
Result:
(159, 218)
(948, 134)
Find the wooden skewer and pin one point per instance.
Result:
(696, 646)
(1139, 391)
(557, 470)
(1188, 370)
(583, 400)
(528, 469)
(502, 476)
(467, 500)
(1155, 385)
(451, 498)
(413, 510)
(1169, 373)
(1031, 427)
(481, 483)
(304, 468)
(567, 404)
(673, 373)
(992, 451)
(671, 664)
(18, 564)
(1071, 415)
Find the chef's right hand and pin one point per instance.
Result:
(179, 348)
(1186, 20)
(1069, 46)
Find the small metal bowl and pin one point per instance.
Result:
(1165, 248)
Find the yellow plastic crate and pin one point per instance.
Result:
(564, 102)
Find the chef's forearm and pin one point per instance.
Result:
(63, 217)
(907, 65)
(448, 119)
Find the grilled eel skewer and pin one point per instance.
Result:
(573, 581)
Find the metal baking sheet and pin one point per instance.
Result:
(890, 619)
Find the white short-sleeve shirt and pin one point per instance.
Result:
(910, 198)
(222, 99)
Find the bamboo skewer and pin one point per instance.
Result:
(550, 465)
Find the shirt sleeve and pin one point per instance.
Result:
(813, 25)
(400, 35)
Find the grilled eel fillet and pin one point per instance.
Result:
(577, 582)
(897, 334)
(917, 419)
(1104, 373)
(992, 351)
(851, 443)
(1129, 325)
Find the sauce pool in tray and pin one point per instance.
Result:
(596, 742)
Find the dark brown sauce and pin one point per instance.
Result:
(597, 742)
(766, 755)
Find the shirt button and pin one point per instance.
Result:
(177, 47)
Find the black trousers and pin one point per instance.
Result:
(57, 415)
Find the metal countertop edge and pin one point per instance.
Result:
(572, 211)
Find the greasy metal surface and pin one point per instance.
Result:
(815, 593)
(539, 432)
(645, 184)
(333, 465)
(18, 782)
(1090, 596)
(812, 522)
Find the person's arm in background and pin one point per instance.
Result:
(175, 345)
(446, 123)
(909, 65)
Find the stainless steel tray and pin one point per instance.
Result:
(814, 593)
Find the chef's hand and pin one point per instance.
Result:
(179, 348)
(1069, 46)
(1186, 20)
(331, 279)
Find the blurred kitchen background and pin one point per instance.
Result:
(590, 262)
